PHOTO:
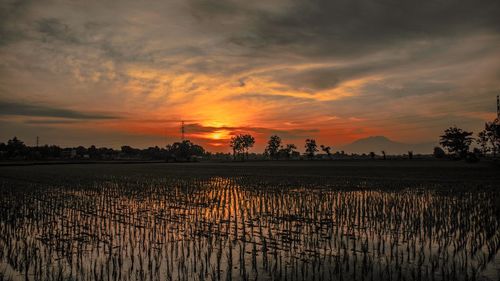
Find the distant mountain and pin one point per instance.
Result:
(379, 143)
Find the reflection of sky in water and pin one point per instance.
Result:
(223, 229)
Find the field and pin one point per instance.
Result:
(344, 220)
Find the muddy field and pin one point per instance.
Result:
(346, 220)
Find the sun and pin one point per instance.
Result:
(219, 135)
(216, 136)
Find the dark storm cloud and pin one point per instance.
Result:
(324, 27)
(35, 110)
(341, 27)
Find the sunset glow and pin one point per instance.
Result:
(218, 135)
(249, 140)
(116, 73)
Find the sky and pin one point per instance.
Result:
(111, 73)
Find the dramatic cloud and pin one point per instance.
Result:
(335, 70)
(13, 108)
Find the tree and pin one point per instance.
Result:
(372, 155)
(153, 153)
(492, 132)
(185, 150)
(311, 147)
(15, 144)
(483, 141)
(410, 154)
(47, 152)
(456, 141)
(248, 142)
(383, 154)
(326, 149)
(474, 156)
(81, 151)
(438, 152)
(241, 143)
(93, 152)
(3, 150)
(236, 144)
(273, 146)
(15, 147)
(288, 150)
(127, 150)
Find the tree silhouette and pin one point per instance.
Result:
(311, 147)
(272, 148)
(483, 141)
(129, 151)
(248, 142)
(456, 141)
(236, 144)
(326, 149)
(383, 154)
(288, 150)
(492, 132)
(372, 155)
(16, 148)
(185, 150)
(3, 150)
(180, 151)
(438, 152)
(241, 143)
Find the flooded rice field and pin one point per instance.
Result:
(245, 227)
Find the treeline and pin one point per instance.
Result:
(277, 150)
(15, 149)
(457, 143)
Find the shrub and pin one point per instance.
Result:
(439, 152)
